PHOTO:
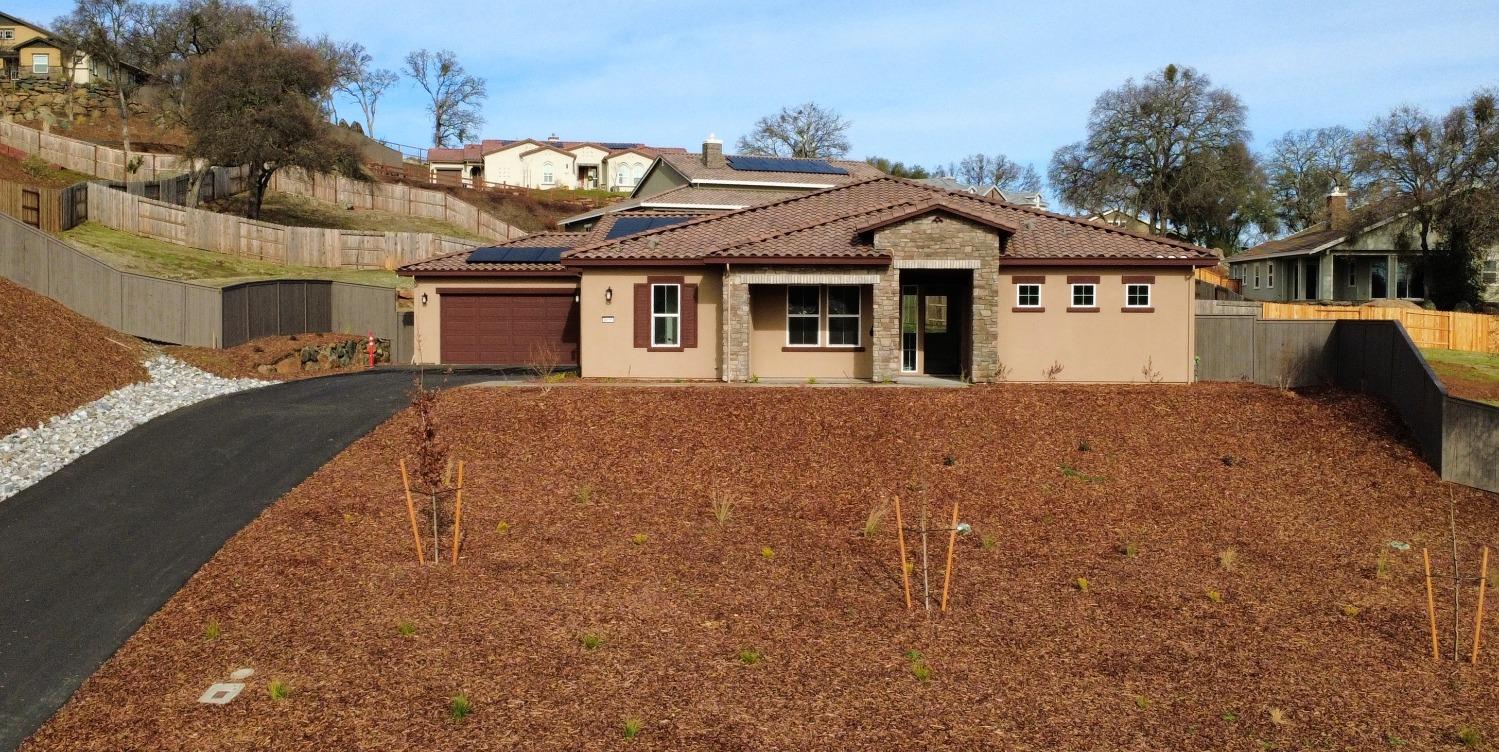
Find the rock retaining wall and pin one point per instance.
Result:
(35, 102)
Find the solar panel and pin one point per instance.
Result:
(784, 164)
(513, 255)
(627, 226)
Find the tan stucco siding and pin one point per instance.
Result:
(1108, 346)
(770, 358)
(427, 319)
(608, 330)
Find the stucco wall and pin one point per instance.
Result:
(1107, 346)
(608, 348)
(768, 354)
(427, 321)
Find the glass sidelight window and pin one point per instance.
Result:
(803, 315)
(910, 302)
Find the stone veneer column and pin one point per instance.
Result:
(985, 303)
(885, 344)
(735, 342)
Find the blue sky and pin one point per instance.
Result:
(923, 82)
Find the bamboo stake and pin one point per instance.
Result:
(1483, 584)
(900, 534)
(458, 514)
(421, 558)
(926, 572)
(952, 541)
(1456, 604)
(1431, 606)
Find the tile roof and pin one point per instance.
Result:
(457, 261)
(691, 165)
(831, 224)
(600, 229)
(687, 196)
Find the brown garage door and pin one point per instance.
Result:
(509, 327)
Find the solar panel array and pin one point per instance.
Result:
(514, 255)
(784, 164)
(626, 226)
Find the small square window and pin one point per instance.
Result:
(1085, 296)
(1028, 296)
(1137, 296)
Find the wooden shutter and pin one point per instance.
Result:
(642, 315)
(689, 315)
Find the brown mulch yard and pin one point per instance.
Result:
(244, 361)
(1231, 538)
(53, 360)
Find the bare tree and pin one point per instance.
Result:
(366, 85)
(898, 169)
(807, 130)
(1140, 136)
(999, 171)
(1303, 166)
(111, 32)
(342, 59)
(456, 96)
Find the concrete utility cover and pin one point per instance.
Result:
(221, 694)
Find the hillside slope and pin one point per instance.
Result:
(53, 360)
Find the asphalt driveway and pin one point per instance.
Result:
(89, 553)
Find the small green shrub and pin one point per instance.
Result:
(590, 641)
(584, 494)
(211, 630)
(988, 542)
(1228, 558)
(35, 166)
(1230, 717)
(874, 519)
(406, 628)
(723, 508)
(1142, 702)
(1082, 584)
(750, 656)
(1469, 736)
(502, 527)
(638, 539)
(1215, 596)
(1278, 717)
(1130, 550)
(768, 552)
(1394, 741)
(459, 707)
(921, 671)
(754, 378)
(811, 379)
(278, 690)
(1350, 610)
(1382, 565)
(633, 727)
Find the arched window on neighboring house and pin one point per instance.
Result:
(639, 171)
(547, 177)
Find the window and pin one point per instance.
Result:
(1256, 276)
(843, 315)
(1269, 273)
(547, 177)
(7, 33)
(1491, 272)
(39, 63)
(666, 315)
(936, 314)
(803, 314)
(1028, 296)
(1085, 296)
(1137, 296)
(1352, 273)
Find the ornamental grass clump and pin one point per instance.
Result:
(278, 690)
(211, 630)
(459, 707)
(750, 656)
(633, 727)
(591, 641)
(722, 506)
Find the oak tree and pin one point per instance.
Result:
(807, 130)
(455, 95)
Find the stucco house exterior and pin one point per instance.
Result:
(876, 279)
(1339, 260)
(546, 164)
(29, 51)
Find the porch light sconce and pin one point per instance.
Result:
(424, 298)
(608, 295)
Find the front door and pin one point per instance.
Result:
(934, 328)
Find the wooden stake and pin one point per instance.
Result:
(1456, 585)
(952, 541)
(1483, 584)
(900, 535)
(458, 514)
(1431, 606)
(421, 558)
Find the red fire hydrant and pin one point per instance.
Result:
(370, 348)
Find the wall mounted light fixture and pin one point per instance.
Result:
(424, 298)
(608, 295)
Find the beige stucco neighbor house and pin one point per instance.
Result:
(876, 279)
(29, 51)
(546, 164)
(1334, 261)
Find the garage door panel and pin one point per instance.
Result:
(505, 329)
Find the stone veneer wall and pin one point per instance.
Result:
(34, 101)
(927, 242)
(735, 319)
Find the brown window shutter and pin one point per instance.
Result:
(642, 315)
(689, 315)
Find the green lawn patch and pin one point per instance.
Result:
(1473, 375)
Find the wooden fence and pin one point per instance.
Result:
(48, 209)
(264, 241)
(1213, 276)
(395, 199)
(1446, 330)
(93, 159)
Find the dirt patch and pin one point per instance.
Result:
(16, 167)
(588, 513)
(1467, 381)
(529, 210)
(53, 360)
(244, 361)
(145, 134)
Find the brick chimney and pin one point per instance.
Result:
(713, 152)
(1337, 208)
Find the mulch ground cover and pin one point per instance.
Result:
(53, 360)
(1241, 590)
(244, 360)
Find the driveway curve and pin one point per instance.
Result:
(89, 553)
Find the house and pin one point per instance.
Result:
(1023, 198)
(30, 51)
(552, 163)
(713, 181)
(1337, 259)
(877, 279)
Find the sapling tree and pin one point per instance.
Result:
(432, 454)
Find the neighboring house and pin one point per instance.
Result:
(552, 163)
(28, 51)
(1331, 261)
(713, 181)
(874, 279)
(1021, 198)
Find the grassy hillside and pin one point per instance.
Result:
(300, 211)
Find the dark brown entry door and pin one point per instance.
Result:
(510, 328)
(942, 329)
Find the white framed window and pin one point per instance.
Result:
(1027, 296)
(1491, 272)
(548, 177)
(844, 316)
(39, 64)
(1085, 295)
(1137, 295)
(1256, 276)
(1269, 273)
(803, 315)
(666, 315)
(8, 33)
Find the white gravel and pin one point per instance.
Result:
(31, 454)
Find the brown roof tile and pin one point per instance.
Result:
(457, 261)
